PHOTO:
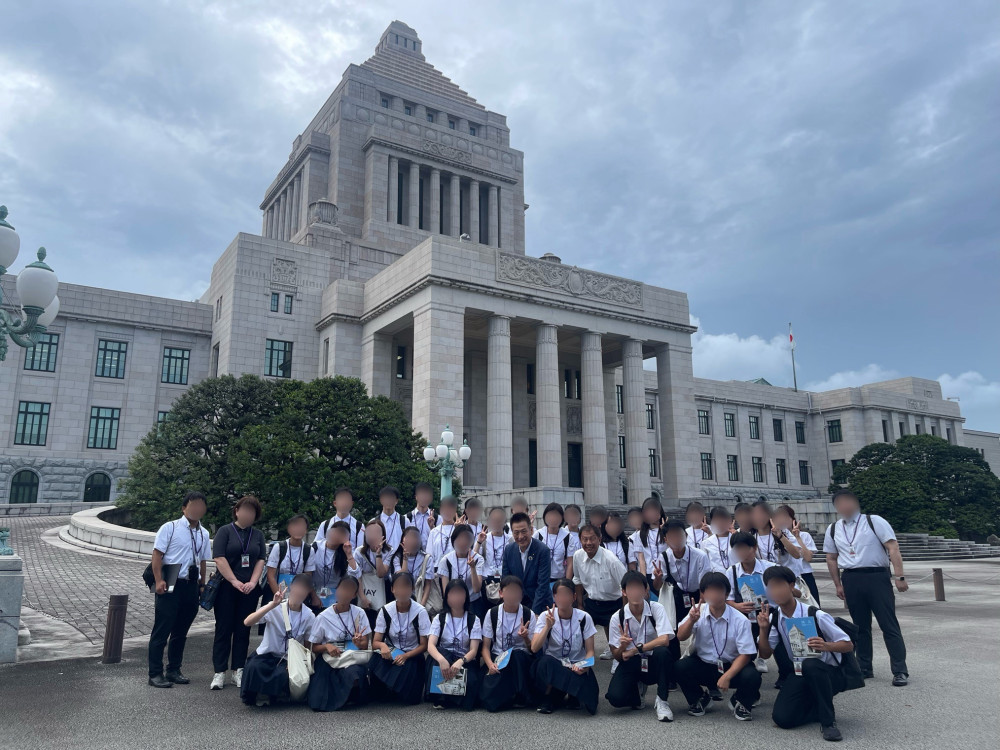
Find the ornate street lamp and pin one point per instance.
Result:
(445, 460)
(37, 285)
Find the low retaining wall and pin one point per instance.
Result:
(42, 509)
(94, 529)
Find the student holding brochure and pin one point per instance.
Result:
(453, 648)
(507, 631)
(341, 677)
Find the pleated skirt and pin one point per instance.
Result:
(264, 674)
(405, 683)
(473, 677)
(331, 689)
(515, 685)
(583, 687)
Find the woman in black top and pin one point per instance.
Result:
(240, 554)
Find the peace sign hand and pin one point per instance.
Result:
(695, 612)
(464, 519)
(532, 516)
(347, 548)
(523, 631)
(481, 537)
(764, 617)
(795, 528)
(430, 519)
(473, 560)
(550, 616)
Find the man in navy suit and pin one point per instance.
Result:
(530, 560)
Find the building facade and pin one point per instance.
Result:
(392, 249)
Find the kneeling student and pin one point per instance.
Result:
(508, 627)
(340, 628)
(807, 694)
(565, 636)
(640, 634)
(401, 630)
(723, 652)
(453, 645)
(266, 672)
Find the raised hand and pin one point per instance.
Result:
(532, 515)
(624, 641)
(795, 528)
(695, 612)
(523, 631)
(279, 596)
(430, 519)
(473, 560)
(481, 537)
(348, 549)
(764, 617)
(550, 616)
(464, 519)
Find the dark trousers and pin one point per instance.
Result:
(868, 593)
(232, 637)
(809, 698)
(172, 617)
(623, 691)
(693, 674)
(810, 580)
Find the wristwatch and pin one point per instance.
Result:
(900, 578)
(639, 647)
(464, 661)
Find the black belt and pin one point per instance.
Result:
(864, 570)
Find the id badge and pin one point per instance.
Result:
(687, 600)
(245, 561)
(720, 666)
(798, 667)
(645, 664)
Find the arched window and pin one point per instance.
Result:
(97, 488)
(738, 498)
(763, 498)
(24, 487)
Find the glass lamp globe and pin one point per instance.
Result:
(447, 437)
(10, 243)
(46, 318)
(464, 452)
(442, 451)
(37, 284)
(429, 453)
(454, 456)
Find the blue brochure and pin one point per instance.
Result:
(441, 686)
(752, 590)
(799, 631)
(504, 659)
(396, 652)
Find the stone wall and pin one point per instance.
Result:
(60, 480)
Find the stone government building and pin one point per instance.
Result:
(392, 249)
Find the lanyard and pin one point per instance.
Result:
(348, 630)
(711, 629)
(642, 626)
(458, 567)
(327, 564)
(694, 536)
(294, 623)
(401, 626)
(724, 556)
(412, 565)
(445, 540)
(567, 644)
(687, 568)
(770, 549)
(293, 564)
(497, 558)
(194, 546)
(456, 628)
(508, 640)
(552, 548)
(857, 526)
(395, 522)
(245, 545)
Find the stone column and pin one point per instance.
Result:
(474, 210)
(611, 427)
(548, 407)
(595, 440)
(282, 209)
(454, 193)
(438, 370)
(414, 196)
(679, 460)
(636, 446)
(293, 206)
(499, 422)
(376, 363)
(492, 209)
(435, 212)
(392, 214)
(268, 217)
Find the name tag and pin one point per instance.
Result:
(720, 666)
(645, 664)
(687, 600)
(798, 667)
(245, 561)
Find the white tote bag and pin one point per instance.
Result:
(374, 587)
(348, 658)
(670, 607)
(805, 595)
(300, 661)
(435, 602)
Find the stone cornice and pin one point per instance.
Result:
(462, 166)
(816, 410)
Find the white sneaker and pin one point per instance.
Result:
(238, 677)
(218, 681)
(761, 665)
(663, 712)
(606, 654)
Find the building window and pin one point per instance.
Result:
(800, 433)
(451, 124)
(650, 417)
(620, 399)
(934, 430)
(706, 465)
(803, 472)
(218, 308)
(730, 420)
(175, 366)
(948, 430)
(567, 384)
(654, 463)
(704, 425)
(430, 117)
(215, 361)
(103, 432)
(400, 362)
(407, 110)
(326, 356)
(902, 429)
(385, 102)
(472, 130)
(97, 488)
(780, 471)
(733, 467)
(278, 359)
(779, 430)
(885, 430)
(289, 300)
(275, 301)
(577, 389)
(837, 462)
(758, 468)
(42, 356)
(111, 359)
(530, 376)
(24, 487)
(621, 451)
(532, 463)
(32, 423)
(162, 416)
(919, 428)
(754, 427)
(833, 432)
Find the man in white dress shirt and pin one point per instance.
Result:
(597, 574)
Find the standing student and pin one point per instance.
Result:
(717, 545)
(574, 517)
(331, 560)
(183, 542)
(519, 504)
(266, 673)
(698, 529)
(401, 631)
(722, 652)
(633, 518)
(453, 645)
(439, 539)
(464, 564)
(597, 574)
(683, 566)
(742, 517)
(616, 541)
(530, 560)
(474, 515)
(343, 505)
(409, 557)
(784, 519)
(771, 542)
(558, 540)
(565, 636)
(807, 694)
(289, 557)
(342, 627)
(640, 637)
(598, 516)
(422, 516)
(508, 627)
(863, 548)
(240, 553)
(747, 562)
(392, 521)
(371, 558)
(646, 540)
(491, 543)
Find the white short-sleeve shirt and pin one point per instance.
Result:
(413, 564)
(439, 542)
(600, 575)
(508, 625)
(455, 635)
(653, 623)
(617, 548)
(567, 639)
(797, 565)
(759, 566)
(340, 627)
(404, 629)
(357, 533)
(561, 548)
(324, 573)
(303, 629)
(292, 564)
(688, 570)
(724, 638)
(453, 567)
(717, 549)
(394, 526)
(422, 522)
(857, 545)
(828, 631)
(768, 547)
(183, 545)
(492, 552)
(651, 550)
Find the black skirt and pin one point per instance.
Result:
(405, 683)
(331, 689)
(473, 677)
(515, 685)
(583, 687)
(264, 674)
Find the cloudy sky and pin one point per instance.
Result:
(833, 164)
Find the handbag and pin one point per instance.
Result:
(348, 658)
(435, 601)
(374, 587)
(493, 590)
(210, 591)
(668, 603)
(805, 595)
(300, 661)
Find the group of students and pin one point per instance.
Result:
(466, 611)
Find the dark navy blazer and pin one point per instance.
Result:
(537, 593)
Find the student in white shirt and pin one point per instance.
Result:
(422, 516)
(453, 645)
(391, 519)
(343, 505)
(747, 563)
(597, 515)
(640, 637)
(473, 515)
(288, 558)
(807, 695)
(683, 566)
(633, 518)
(771, 542)
(722, 652)
(717, 545)
(410, 558)
(597, 574)
(372, 559)
(574, 518)
(616, 541)
(401, 631)
(559, 541)
(265, 675)
(508, 627)
(698, 529)
(439, 539)
(646, 540)
(330, 561)
(564, 636)
(784, 519)
(339, 628)
(490, 543)
(519, 504)
(464, 564)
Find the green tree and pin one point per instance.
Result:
(923, 484)
(288, 442)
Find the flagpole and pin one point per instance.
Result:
(791, 343)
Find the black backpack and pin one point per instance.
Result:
(833, 531)
(470, 620)
(623, 541)
(849, 666)
(495, 616)
(621, 619)
(388, 621)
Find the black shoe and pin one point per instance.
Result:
(741, 712)
(778, 684)
(572, 703)
(832, 734)
(160, 681)
(177, 678)
(701, 705)
(715, 693)
(545, 708)
(869, 675)
(900, 680)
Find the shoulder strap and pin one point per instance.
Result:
(624, 540)
(470, 621)
(525, 615)
(282, 551)
(306, 554)
(284, 616)
(448, 563)
(583, 624)
(494, 616)
(621, 618)
(442, 619)
(423, 567)
(737, 597)
(833, 530)
(566, 544)
(870, 524)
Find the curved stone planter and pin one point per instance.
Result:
(89, 530)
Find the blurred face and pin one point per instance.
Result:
(411, 542)
(343, 503)
(246, 515)
(473, 513)
(388, 502)
(511, 595)
(847, 506)
(651, 515)
(564, 598)
(298, 592)
(598, 519)
(635, 593)
(456, 599)
(744, 553)
(743, 519)
(347, 589)
(402, 590)
(518, 507)
(782, 520)
(695, 517)
(761, 518)
(424, 498)
(714, 596)
(635, 519)
(195, 509)
(553, 520)
(614, 527)
(297, 528)
(463, 544)
(590, 542)
(496, 521)
(448, 512)
(780, 592)
(677, 539)
(522, 534)
(573, 518)
(720, 523)
(335, 538)
(374, 536)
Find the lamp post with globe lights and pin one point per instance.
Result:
(444, 459)
(36, 285)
